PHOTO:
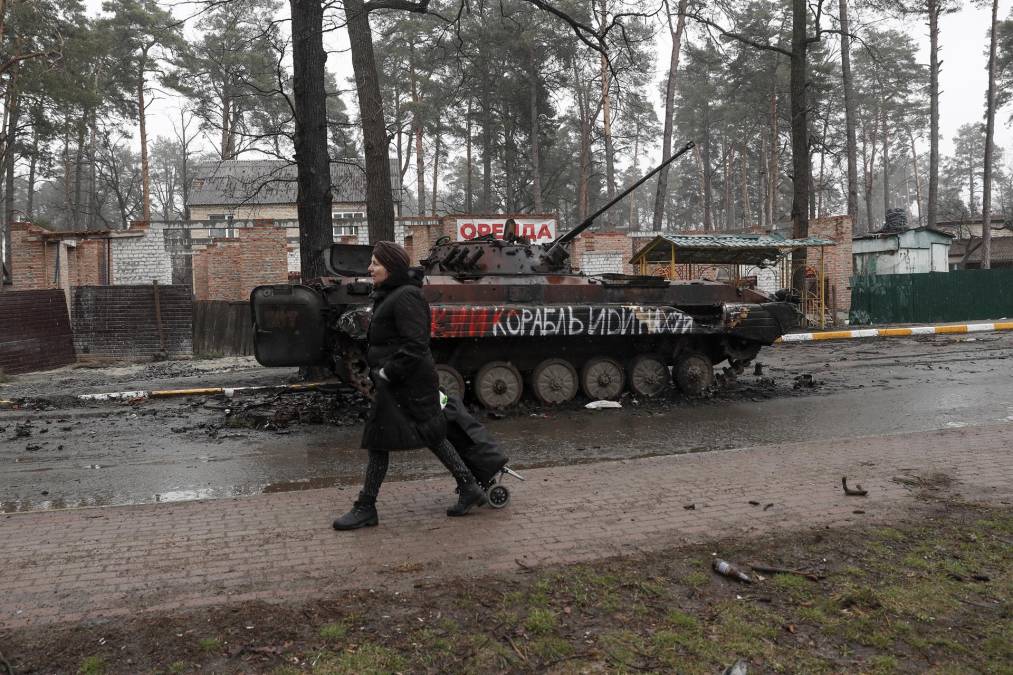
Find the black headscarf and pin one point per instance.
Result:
(396, 261)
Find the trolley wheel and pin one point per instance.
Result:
(693, 373)
(648, 375)
(499, 496)
(602, 378)
(450, 379)
(498, 384)
(554, 381)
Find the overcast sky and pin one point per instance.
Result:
(963, 79)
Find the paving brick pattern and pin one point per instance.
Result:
(105, 562)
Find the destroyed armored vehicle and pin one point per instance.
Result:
(508, 314)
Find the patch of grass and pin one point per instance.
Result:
(177, 667)
(92, 665)
(333, 631)
(540, 621)
(550, 648)
(209, 644)
(883, 663)
(679, 619)
(367, 659)
(696, 579)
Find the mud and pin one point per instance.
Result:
(57, 451)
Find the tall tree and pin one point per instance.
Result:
(990, 103)
(849, 111)
(666, 139)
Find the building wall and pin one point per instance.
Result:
(34, 331)
(122, 322)
(145, 258)
(837, 260)
(605, 252)
(262, 211)
(229, 269)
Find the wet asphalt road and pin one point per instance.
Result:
(116, 453)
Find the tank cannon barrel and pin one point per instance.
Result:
(560, 241)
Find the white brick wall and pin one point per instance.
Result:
(601, 263)
(141, 260)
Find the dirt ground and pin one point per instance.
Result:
(930, 592)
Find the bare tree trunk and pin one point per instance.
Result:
(379, 200)
(420, 165)
(747, 209)
(869, 145)
(142, 116)
(727, 174)
(666, 143)
(436, 164)
(705, 196)
(886, 164)
(469, 190)
(610, 150)
(313, 177)
(536, 166)
(918, 178)
(773, 169)
(632, 218)
(32, 164)
(986, 187)
(933, 8)
(79, 168)
(93, 206)
(10, 142)
(849, 115)
(226, 116)
(486, 154)
(799, 129)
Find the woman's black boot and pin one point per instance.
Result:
(470, 495)
(363, 514)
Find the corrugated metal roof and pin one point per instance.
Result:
(1001, 250)
(722, 248)
(721, 241)
(268, 181)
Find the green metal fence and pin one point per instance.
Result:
(935, 297)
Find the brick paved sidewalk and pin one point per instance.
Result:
(106, 562)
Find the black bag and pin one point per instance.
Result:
(473, 442)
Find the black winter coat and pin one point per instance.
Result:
(406, 408)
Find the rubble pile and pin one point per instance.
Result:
(269, 412)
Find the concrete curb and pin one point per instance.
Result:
(228, 392)
(896, 332)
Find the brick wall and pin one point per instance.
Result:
(120, 321)
(229, 269)
(141, 260)
(837, 260)
(35, 331)
(29, 264)
(601, 250)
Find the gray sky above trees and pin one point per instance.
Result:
(963, 79)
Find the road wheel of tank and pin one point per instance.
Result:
(554, 381)
(693, 373)
(602, 378)
(648, 375)
(498, 384)
(451, 382)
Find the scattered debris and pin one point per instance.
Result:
(856, 492)
(769, 569)
(804, 381)
(600, 405)
(753, 502)
(758, 369)
(727, 569)
(767, 506)
(740, 667)
(689, 507)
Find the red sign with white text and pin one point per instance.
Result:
(537, 230)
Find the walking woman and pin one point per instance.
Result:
(405, 413)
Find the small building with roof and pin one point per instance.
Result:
(266, 188)
(911, 251)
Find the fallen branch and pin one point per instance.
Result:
(526, 568)
(767, 569)
(857, 492)
(517, 649)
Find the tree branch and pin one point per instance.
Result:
(737, 36)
